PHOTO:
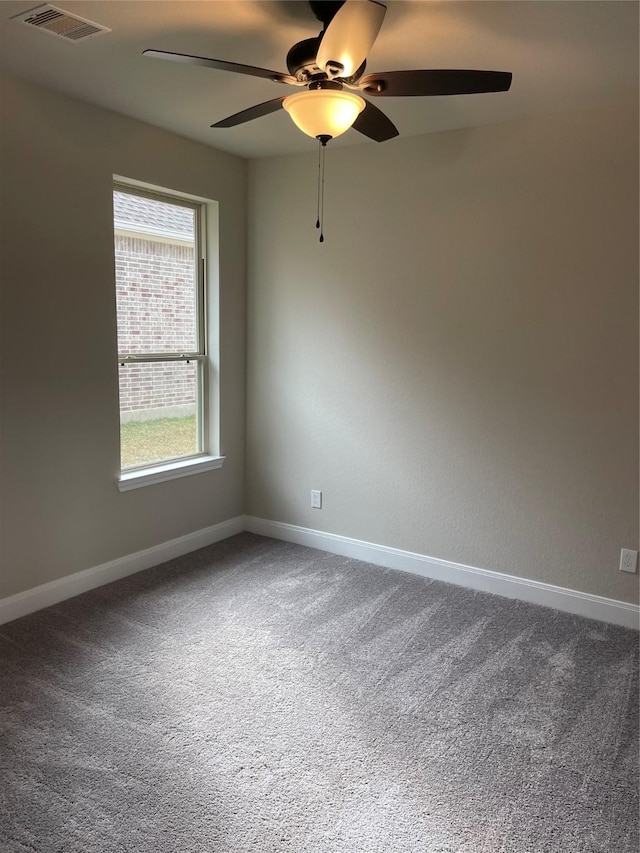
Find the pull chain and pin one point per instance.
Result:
(319, 174)
(322, 140)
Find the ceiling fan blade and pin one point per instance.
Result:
(253, 112)
(402, 84)
(373, 123)
(350, 36)
(221, 65)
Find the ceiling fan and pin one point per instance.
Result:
(329, 70)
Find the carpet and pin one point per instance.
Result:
(262, 696)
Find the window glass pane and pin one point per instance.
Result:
(156, 281)
(158, 412)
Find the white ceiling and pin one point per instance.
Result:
(563, 55)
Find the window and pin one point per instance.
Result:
(163, 361)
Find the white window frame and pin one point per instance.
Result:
(206, 459)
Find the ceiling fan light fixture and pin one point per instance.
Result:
(323, 112)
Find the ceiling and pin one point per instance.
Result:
(563, 55)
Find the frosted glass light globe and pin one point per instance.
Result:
(323, 112)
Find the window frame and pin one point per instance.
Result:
(203, 459)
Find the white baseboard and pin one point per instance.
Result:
(66, 587)
(535, 592)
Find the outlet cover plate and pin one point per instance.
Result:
(628, 561)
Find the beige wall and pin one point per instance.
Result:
(61, 510)
(456, 367)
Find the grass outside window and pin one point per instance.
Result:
(146, 442)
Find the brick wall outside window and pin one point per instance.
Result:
(156, 313)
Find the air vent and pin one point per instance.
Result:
(60, 23)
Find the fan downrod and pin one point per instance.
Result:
(325, 10)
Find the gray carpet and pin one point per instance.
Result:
(261, 696)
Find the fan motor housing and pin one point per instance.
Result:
(301, 59)
(301, 62)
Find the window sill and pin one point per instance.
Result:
(168, 471)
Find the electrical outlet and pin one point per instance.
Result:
(316, 499)
(628, 561)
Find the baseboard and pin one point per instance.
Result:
(52, 593)
(535, 592)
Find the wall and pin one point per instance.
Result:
(456, 367)
(61, 510)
